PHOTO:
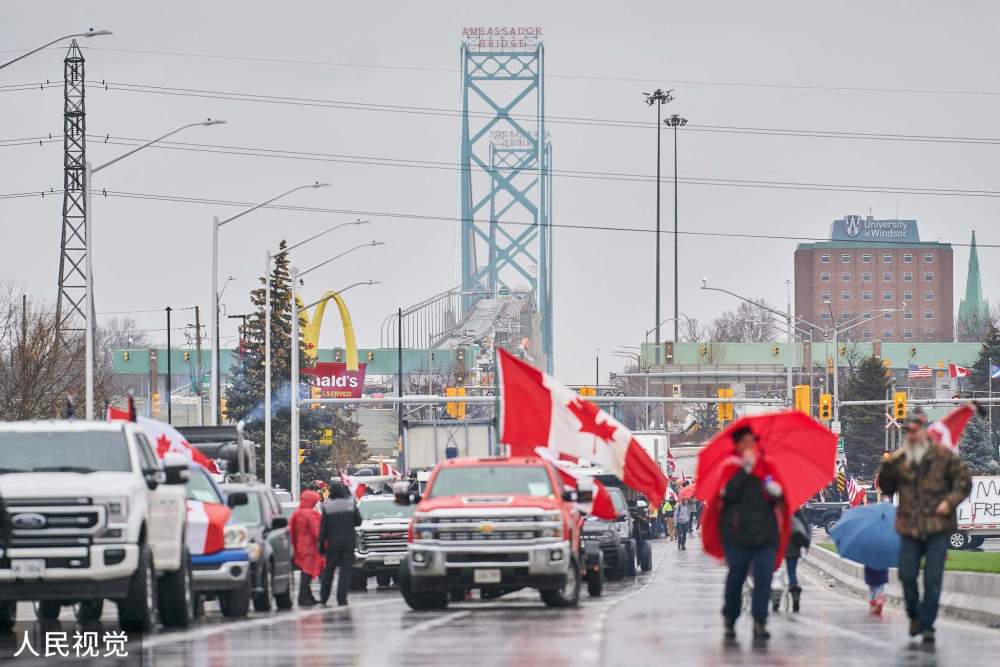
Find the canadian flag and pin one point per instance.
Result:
(948, 430)
(385, 468)
(957, 371)
(356, 488)
(601, 505)
(538, 411)
(166, 439)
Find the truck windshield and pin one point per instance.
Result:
(64, 451)
(199, 487)
(249, 513)
(618, 501)
(491, 480)
(384, 509)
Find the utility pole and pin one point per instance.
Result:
(399, 380)
(197, 364)
(169, 370)
(658, 97)
(676, 121)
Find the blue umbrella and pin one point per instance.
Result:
(867, 535)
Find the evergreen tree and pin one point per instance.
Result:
(246, 392)
(976, 450)
(864, 426)
(975, 447)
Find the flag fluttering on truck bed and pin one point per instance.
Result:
(538, 411)
(165, 438)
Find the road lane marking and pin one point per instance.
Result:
(236, 626)
(434, 622)
(601, 620)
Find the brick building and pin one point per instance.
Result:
(871, 264)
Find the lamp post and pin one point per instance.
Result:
(658, 97)
(88, 177)
(216, 226)
(676, 121)
(294, 482)
(267, 338)
(89, 33)
(669, 319)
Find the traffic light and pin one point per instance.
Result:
(222, 409)
(187, 356)
(899, 405)
(336, 356)
(302, 455)
(724, 411)
(155, 404)
(371, 356)
(803, 398)
(456, 410)
(829, 364)
(587, 391)
(825, 407)
(124, 356)
(315, 392)
(776, 350)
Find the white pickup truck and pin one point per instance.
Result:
(978, 515)
(92, 515)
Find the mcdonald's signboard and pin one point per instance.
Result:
(335, 381)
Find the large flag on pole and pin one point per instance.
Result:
(948, 430)
(538, 411)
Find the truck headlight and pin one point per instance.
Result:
(622, 529)
(552, 532)
(116, 507)
(253, 550)
(235, 536)
(423, 534)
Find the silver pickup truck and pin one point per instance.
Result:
(381, 539)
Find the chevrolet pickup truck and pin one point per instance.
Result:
(94, 515)
(496, 524)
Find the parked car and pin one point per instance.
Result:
(824, 515)
(270, 545)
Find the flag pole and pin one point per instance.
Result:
(989, 363)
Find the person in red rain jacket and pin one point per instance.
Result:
(304, 528)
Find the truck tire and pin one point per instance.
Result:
(383, 580)
(88, 611)
(569, 594)
(595, 582)
(419, 600)
(175, 594)
(236, 602)
(137, 610)
(630, 561)
(958, 540)
(620, 568)
(47, 610)
(8, 615)
(283, 601)
(262, 600)
(976, 541)
(829, 521)
(646, 556)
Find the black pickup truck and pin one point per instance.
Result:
(824, 515)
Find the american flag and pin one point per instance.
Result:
(855, 493)
(919, 371)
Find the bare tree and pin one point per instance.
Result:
(747, 324)
(693, 331)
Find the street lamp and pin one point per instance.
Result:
(669, 319)
(89, 33)
(296, 274)
(88, 173)
(214, 392)
(676, 121)
(659, 97)
(267, 337)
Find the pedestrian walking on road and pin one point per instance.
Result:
(876, 581)
(304, 529)
(682, 520)
(340, 516)
(668, 516)
(800, 539)
(749, 532)
(930, 482)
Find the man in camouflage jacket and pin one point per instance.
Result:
(930, 481)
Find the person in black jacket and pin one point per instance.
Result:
(749, 528)
(340, 516)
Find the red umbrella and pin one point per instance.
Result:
(687, 492)
(799, 452)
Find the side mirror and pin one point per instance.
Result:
(279, 522)
(152, 476)
(569, 495)
(641, 504)
(237, 499)
(175, 468)
(585, 490)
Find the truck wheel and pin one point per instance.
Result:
(569, 594)
(630, 562)
(958, 540)
(617, 572)
(176, 598)
(419, 600)
(383, 580)
(262, 600)
(829, 522)
(47, 610)
(646, 556)
(595, 582)
(976, 541)
(8, 615)
(283, 601)
(137, 611)
(236, 603)
(88, 611)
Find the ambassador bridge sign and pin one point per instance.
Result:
(502, 37)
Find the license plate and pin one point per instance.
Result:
(28, 568)
(486, 576)
(391, 560)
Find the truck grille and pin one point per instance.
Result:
(490, 529)
(393, 541)
(45, 523)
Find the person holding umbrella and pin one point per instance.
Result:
(930, 481)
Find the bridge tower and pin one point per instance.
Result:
(505, 188)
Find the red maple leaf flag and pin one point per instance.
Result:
(538, 411)
(948, 430)
(601, 504)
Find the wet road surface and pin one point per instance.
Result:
(669, 616)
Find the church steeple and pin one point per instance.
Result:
(973, 309)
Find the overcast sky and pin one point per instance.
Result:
(717, 56)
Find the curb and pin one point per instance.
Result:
(973, 596)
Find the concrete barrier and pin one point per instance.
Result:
(974, 596)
